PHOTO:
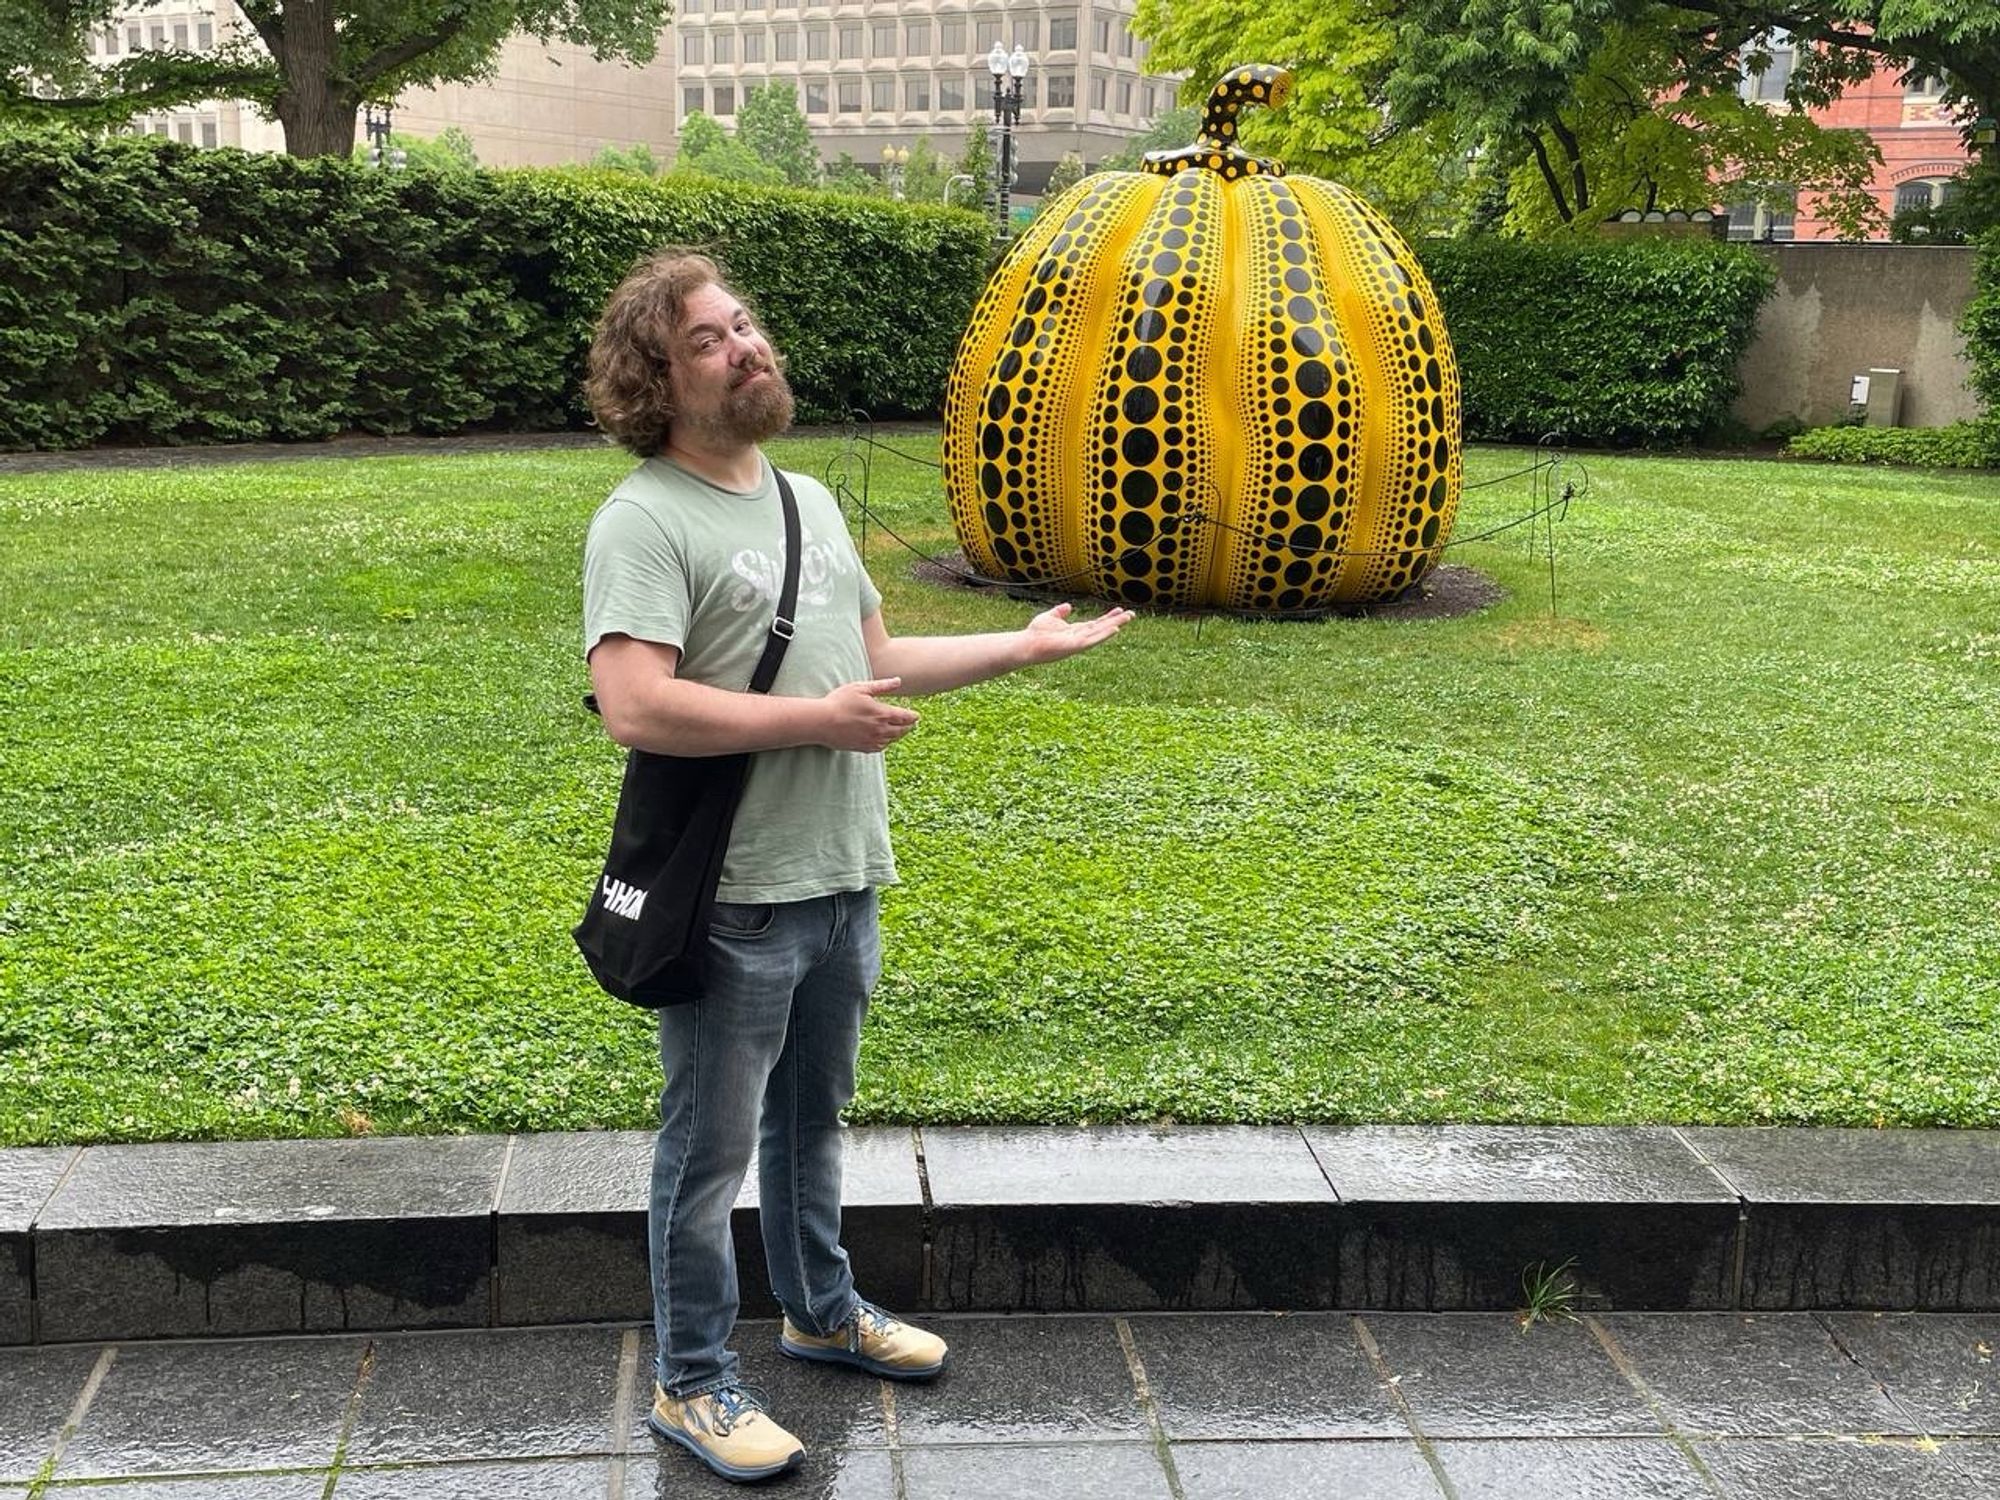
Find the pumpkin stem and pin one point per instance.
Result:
(1215, 148)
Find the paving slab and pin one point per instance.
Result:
(1571, 1469)
(289, 1486)
(1025, 1380)
(1483, 1375)
(1358, 1469)
(822, 1406)
(1449, 1218)
(199, 1407)
(1857, 1219)
(1767, 1469)
(1092, 1471)
(1263, 1375)
(27, 1177)
(827, 1474)
(532, 1479)
(42, 1386)
(1939, 1366)
(1752, 1374)
(1127, 1218)
(269, 1236)
(501, 1393)
(571, 1230)
(1978, 1459)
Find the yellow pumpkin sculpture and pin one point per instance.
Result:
(1206, 384)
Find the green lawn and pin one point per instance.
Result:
(297, 805)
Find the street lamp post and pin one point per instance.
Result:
(894, 159)
(380, 153)
(953, 181)
(1006, 70)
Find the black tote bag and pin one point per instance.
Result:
(645, 928)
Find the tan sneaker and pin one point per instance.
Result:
(728, 1430)
(870, 1340)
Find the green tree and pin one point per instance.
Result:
(1174, 129)
(707, 150)
(978, 162)
(1598, 106)
(1579, 107)
(1068, 172)
(770, 125)
(925, 172)
(637, 159)
(847, 175)
(320, 60)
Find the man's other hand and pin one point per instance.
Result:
(858, 719)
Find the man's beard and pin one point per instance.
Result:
(751, 411)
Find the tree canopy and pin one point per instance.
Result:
(707, 150)
(311, 63)
(772, 128)
(1578, 108)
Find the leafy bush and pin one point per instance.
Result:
(865, 297)
(1963, 445)
(1981, 322)
(1614, 344)
(156, 293)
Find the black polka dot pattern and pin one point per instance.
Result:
(1207, 388)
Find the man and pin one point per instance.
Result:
(681, 577)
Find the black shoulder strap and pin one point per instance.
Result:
(782, 627)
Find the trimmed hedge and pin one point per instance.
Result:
(156, 293)
(865, 298)
(1962, 445)
(1608, 344)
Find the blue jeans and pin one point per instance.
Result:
(764, 1061)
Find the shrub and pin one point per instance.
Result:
(1981, 322)
(865, 297)
(1962, 445)
(156, 293)
(1614, 344)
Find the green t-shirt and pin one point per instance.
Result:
(674, 559)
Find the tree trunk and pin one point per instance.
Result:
(315, 108)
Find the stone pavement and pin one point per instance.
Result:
(1159, 1406)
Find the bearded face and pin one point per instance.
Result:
(728, 388)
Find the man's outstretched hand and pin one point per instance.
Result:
(1053, 635)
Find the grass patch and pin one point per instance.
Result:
(298, 804)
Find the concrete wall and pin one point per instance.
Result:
(1842, 309)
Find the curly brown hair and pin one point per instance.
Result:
(629, 387)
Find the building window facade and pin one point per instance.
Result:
(1062, 30)
(1062, 90)
(1753, 220)
(1769, 85)
(917, 92)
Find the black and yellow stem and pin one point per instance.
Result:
(1215, 149)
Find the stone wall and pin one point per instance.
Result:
(1840, 310)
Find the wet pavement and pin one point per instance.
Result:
(1155, 1406)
